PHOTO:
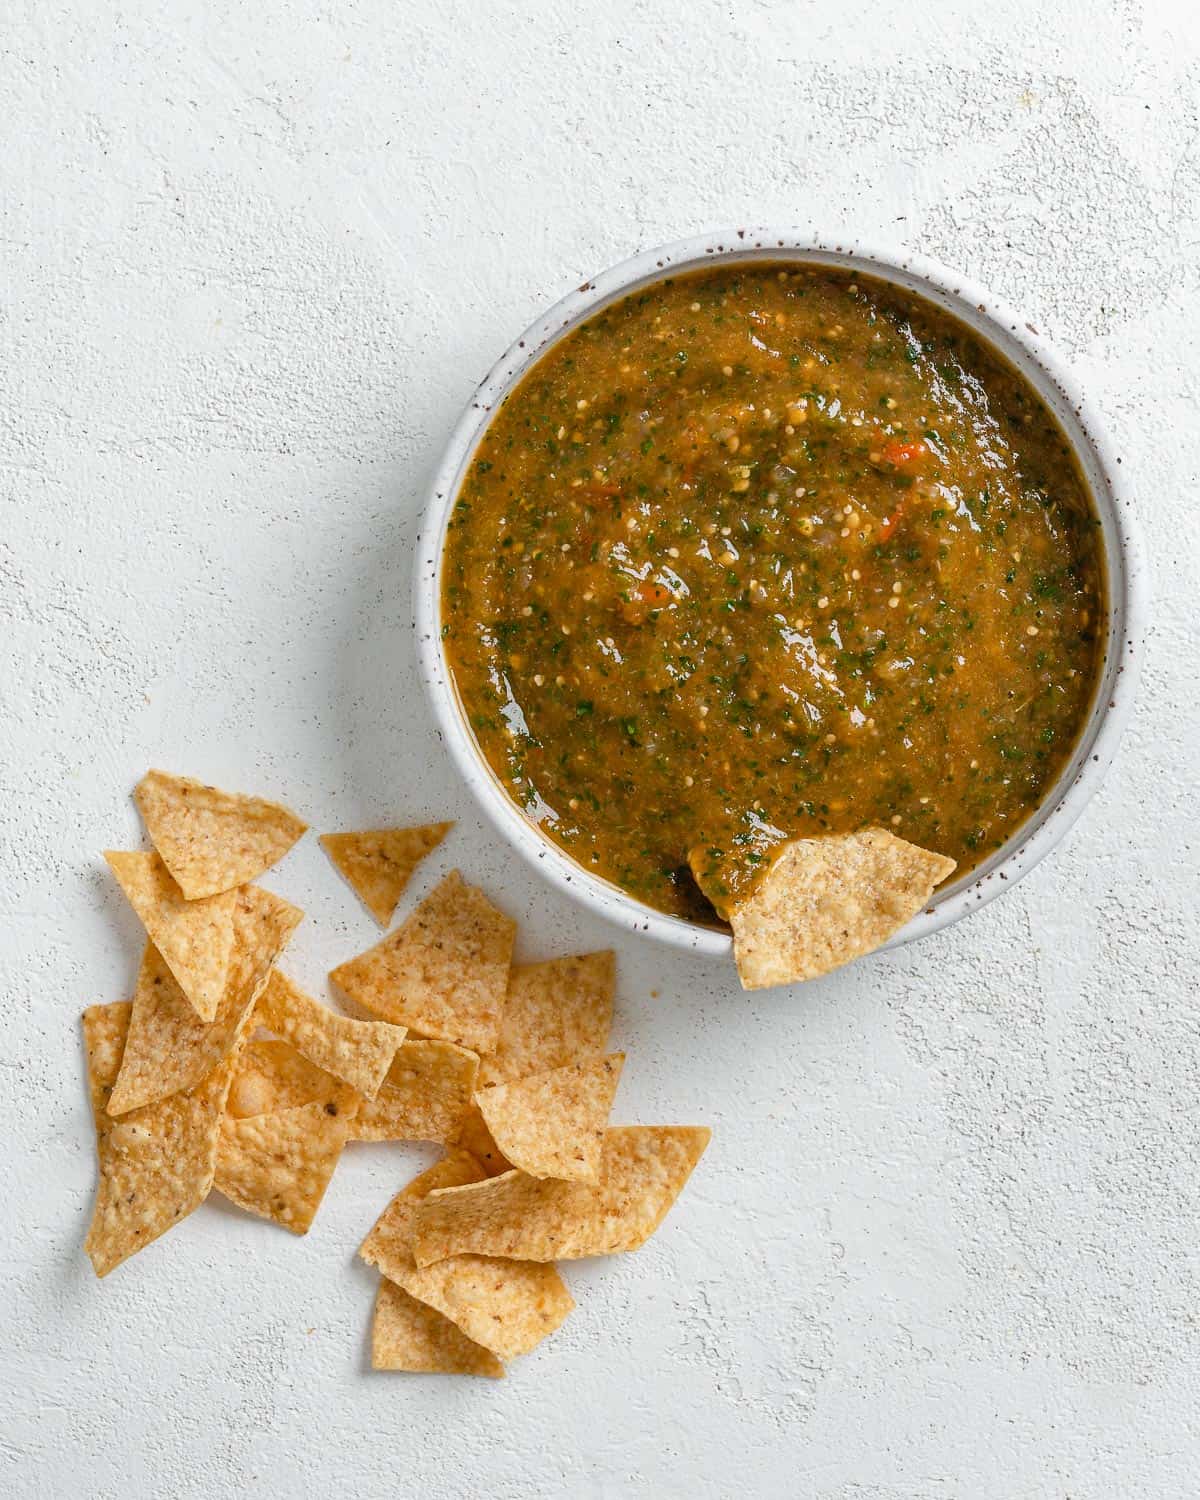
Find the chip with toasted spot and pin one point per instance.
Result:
(554, 1013)
(642, 1170)
(424, 1097)
(408, 1335)
(211, 840)
(508, 1306)
(279, 1165)
(474, 1136)
(157, 1163)
(377, 863)
(194, 937)
(552, 1124)
(272, 1076)
(444, 972)
(828, 900)
(358, 1052)
(169, 1047)
(389, 1244)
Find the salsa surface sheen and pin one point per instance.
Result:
(768, 551)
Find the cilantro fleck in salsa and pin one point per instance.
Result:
(764, 552)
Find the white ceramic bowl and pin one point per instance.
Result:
(1000, 326)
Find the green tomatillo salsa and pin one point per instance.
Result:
(768, 551)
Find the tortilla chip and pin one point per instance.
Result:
(552, 1125)
(443, 974)
(211, 840)
(156, 1164)
(407, 1335)
(507, 1306)
(389, 1244)
(642, 1170)
(474, 1136)
(271, 1076)
(378, 862)
(424, 1097)
(358, 1052)
(555, 1013)
(279, 1165)
(169, 1047)
(193, 936)
(828, 900)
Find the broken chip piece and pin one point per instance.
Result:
(410, 1335)
(157, 1163)
(444, 972)
(552, 1124)
(424, 1097)
(210, 840)
(642, 1170)
(828, 900)
(377, 863)
(358, 1052)
(554, 1013)
(169, 1047)
(194, 937)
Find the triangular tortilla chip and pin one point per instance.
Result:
(378, 862)
(407, 1335)
(507, 1306)
(555, 1013)
(389, 1244)
(194, 937)
(169, 1047)
(828, 900)
(642, 1170)
(156, 1164)
(473, 1135)
(278, 1166)
(552, 1124)
(211, 840)
(271, 1076)
(358, 1052)
(424, 1097)
(443, 974)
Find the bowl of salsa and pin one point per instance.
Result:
(758, 537)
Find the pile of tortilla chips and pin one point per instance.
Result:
(188, 1089)
(224, 1073)
(512, 1075)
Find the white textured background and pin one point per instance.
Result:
(254, 258)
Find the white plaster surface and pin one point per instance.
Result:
(254, 257)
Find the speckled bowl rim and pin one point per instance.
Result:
(1001, 326)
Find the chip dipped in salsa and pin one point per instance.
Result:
(764, 552)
